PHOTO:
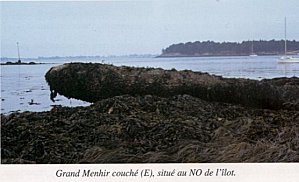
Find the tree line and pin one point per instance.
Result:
(210, 48)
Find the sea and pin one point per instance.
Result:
(24, 88)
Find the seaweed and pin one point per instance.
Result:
(146, 129)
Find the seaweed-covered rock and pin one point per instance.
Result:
(127, 129)
(94, 82)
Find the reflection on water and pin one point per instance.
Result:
(23, 87)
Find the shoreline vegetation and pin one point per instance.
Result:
(245, 48)
(147, 115)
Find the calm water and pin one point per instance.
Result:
(22, 85)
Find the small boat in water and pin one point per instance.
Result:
(252, 52)
(286, 58)
(19, 60)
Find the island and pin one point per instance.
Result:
(245, 48)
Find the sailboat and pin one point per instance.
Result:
(252, 53)
(19, 60)
(286, 58)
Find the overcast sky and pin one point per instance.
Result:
(138, 27)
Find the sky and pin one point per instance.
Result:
(138, 27)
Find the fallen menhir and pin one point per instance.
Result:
(93, 82)
(144, 127)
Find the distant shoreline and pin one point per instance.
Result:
(244, 48)
(217, 55)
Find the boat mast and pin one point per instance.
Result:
(285, 35)
(18, 52)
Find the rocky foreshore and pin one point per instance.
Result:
(20, 63)
(174, 128)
